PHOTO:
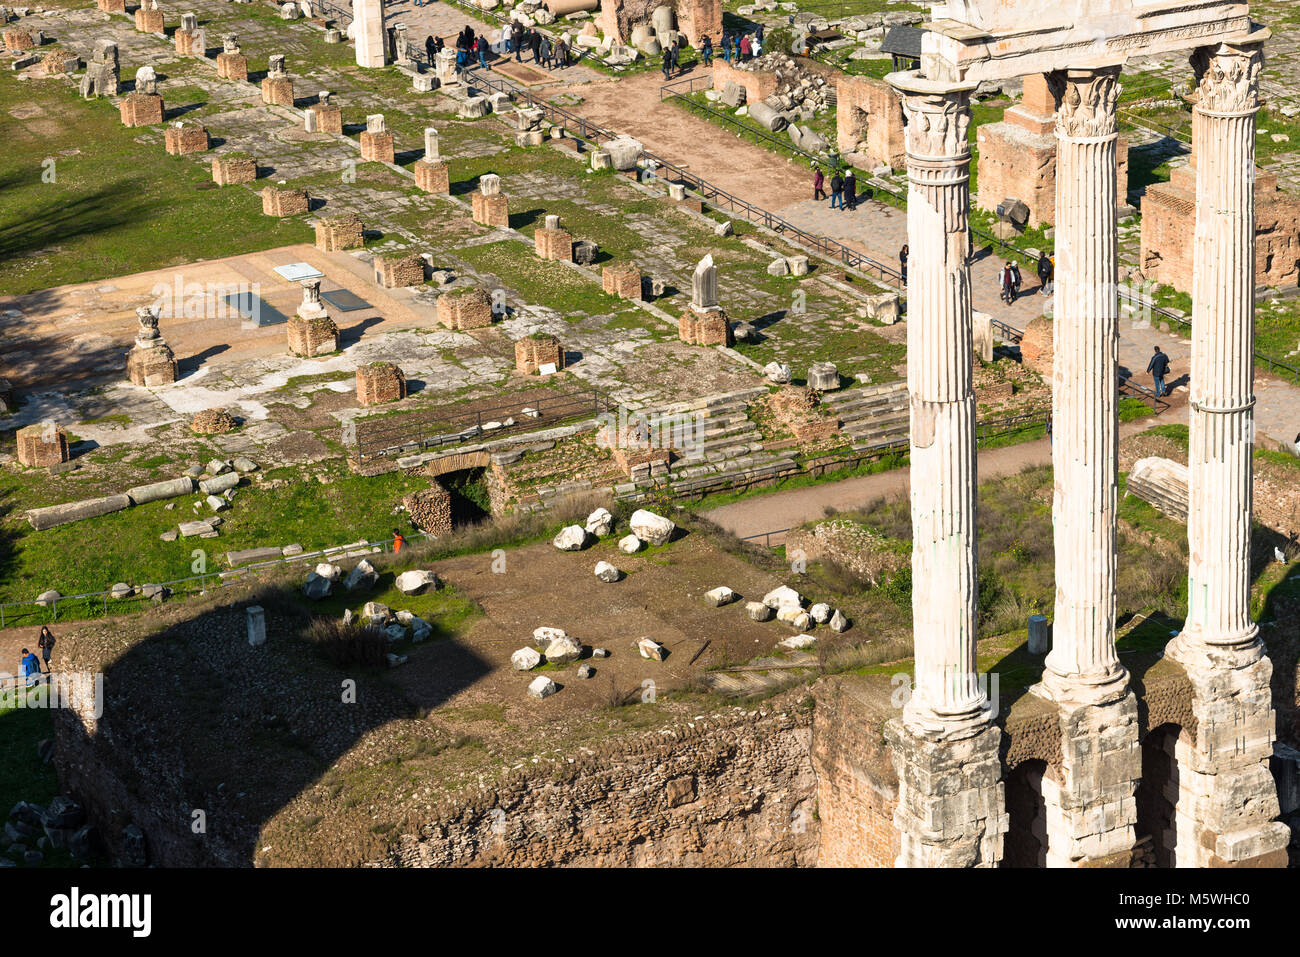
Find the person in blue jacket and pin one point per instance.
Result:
(31, 666)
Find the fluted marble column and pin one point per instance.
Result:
(1083, 665)
(947, 698)
(1223, 365)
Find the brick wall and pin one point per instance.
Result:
(232, 66)
(141, 109)
(758, 84)
(40, 447)
(380, 382)
(395, 270)
(377, 147)
(185, 139)
(621, 281)
(491, 210)
(329, 117)
(432, 177)
(312, 337)
(465, 309)
(534, 352)
(339, 232)
(231, 168)
(869, 119)
(277, 91)
(554, 244)
(277, 201)
(704, 328)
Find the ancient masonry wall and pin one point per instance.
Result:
(731, 791)
(869, 119)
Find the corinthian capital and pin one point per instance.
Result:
(1227, 77)
(1085, 100)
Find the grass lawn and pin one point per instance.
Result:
(116, 206)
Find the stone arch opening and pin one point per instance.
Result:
(1025, 843)
(1157, 798)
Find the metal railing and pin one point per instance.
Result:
(409, 438)
(99, 602)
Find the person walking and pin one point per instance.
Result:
(851, 189)
(30, 667)
(677, 54)
(1159, 368)
(547, 52)
(430, 48)
(1008, 293)
(482, 44)
(1045, 272)
(902, 262)
(837, 190)
(518, 31)
(46, 643)
(666, 64)
(756, 45)
(706, 50)
(535, 44)
(744, 47)
(398, 541)
(460, 50)
(819, 184)
(726, 47)
(562, 53)
(1015, 277)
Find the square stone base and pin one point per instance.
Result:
(141, 109)
(151, 366)
(232, 66)
(111, 6)
(277, 91)
(432, 177)
(277, 201)
(227, 170)
(621, 281)
(554, 244)
(340, 232)
(329, 118)
(467, 309)
(396, 271)
(534, 352)
(491, 210)
(380, 382)
(42, 445)
(377, 147)
(312, 337)
(705, 328)
(188, 43)
(185, 139)
(149, 21)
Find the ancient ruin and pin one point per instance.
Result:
(150, 361)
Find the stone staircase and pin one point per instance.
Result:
(727, 447)
(874, 416)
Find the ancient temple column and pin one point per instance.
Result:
(945, 748)
(1227, 798)
(368, 32)
(1089, 795)
(1083, 664)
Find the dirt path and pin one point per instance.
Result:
(781, 510)
(632, 105)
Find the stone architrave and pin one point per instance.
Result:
(1227, 802)
(368, 30)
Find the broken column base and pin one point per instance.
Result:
(432, 177)
(1089, 797)
(951, 808)
(232, 66)
(707, 328)
(312, 335)
(141, 109)
(491, 210)
(1226, 810)
(151, 365)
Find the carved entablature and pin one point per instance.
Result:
(1086, 101)
(937, 123)
(1228, 77)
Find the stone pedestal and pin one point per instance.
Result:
(255, 616)
(151, 364)
(277, 91)
(621, 281)
(42, 445)
(313, 335)
(233, 168)
(554, 244)
(376, 141)
(432, 177)
(951, 810)
(149, 20)
(1083, 664)
(141, 109)
(380, 382)
(491, 210)
(396, 270)
(339, 232)
(329, 117)
(111, 6)
(465, 308)
(232, 66)
(537, 351)
(705, 328)
(190, 42)
(280, 201)
(186, 137)
(1089, 798)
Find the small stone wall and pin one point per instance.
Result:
(705, 328)
(758, 84)
(396, 270)
(232, 168)
(432, 177)
(869, 119)
(491, 210)
(339, 232)
(553, 244)
(467, 308)
(380, 382)
(42, 445)
(278, 201)
(181, 139)
(329, 117)
(141, 109)
(377, 147)
(232, 66)
(277, 91)
(534, 352)
(312, 337)
(621, 281)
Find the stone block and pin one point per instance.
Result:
(190, 42)
(17, 40)
(340, 232)
(553, 244)
(536, 351)
(111, 6)
(491, 210)
(232, 66)
(377, 147)
(141, 109)
(186, 137)
(277, 91)
(396, 270)
(465, 308)
(329, 117)
(149, 20)
(151, 365)
(380, 382)
(312, 336)
(231, 168)
(432, 177)
(705, 328)
(42, 445)
(284, 201)
(622, 281)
